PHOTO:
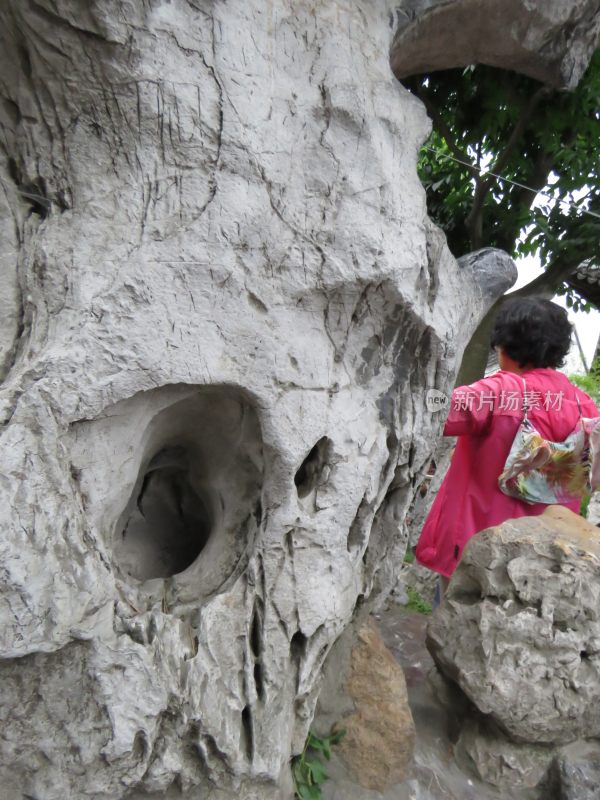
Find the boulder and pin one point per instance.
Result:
(550, 40)
(576, 772)
(593, 515)
(222, 299)
(519, 631)
(496, 760)
(378, 746)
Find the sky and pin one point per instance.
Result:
(587, 324)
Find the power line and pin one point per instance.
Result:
(507, 180)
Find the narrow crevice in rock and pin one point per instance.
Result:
(311, 471)
(140, 746)
(255, 636)
(256, 647)
(32, 192)
(258, 680)
(298, 646)
(11, 356)
(359, 531)
(247, 733)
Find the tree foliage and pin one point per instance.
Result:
(538, 137)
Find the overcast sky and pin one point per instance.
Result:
(588, 325)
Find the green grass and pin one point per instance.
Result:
(416, 602)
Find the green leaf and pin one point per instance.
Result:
(310, 773)
(478, 108)
(315, 742)
(309, 793)
(416, 602)
(300, 771)
(317, 770)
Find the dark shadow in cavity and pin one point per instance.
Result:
(310, 472)
(171, 522)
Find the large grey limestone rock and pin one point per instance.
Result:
(519, 631)
(482, 748)
(223, 302)
(576, 772)
(550, 40)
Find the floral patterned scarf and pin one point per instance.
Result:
(540, 471)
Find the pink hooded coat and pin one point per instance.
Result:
(469, 499)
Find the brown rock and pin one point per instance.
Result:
(380, 734)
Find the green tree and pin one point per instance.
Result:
(487, 120)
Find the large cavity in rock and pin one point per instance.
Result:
(170, 522)
(198, 483)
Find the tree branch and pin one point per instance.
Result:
(503, 157)
(522, 199)
(553, 276)
(474, 219)
(445, 131)
(477, 351)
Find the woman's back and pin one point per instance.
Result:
(532, 337)
(486, 416)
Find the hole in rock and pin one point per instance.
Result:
(194, 507)
(247, 733)
(255, 635)
(171, 522)
(298, 646)
(140, 746)
(258, 681)
(310, 472)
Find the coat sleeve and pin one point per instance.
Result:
(471, 408)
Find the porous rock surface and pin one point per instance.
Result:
(482, 748)
(223, 303)
(519, 630)
(379, 739)
(550, 40)
(576, 772)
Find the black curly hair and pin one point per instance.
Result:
(533, 330)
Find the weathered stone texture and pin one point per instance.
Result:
(498, 761)
(594, 509)
(380, 733)
(224, 300)
(576, 772)
(550, 40)
(519, 630)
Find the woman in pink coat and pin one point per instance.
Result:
(532, 337)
